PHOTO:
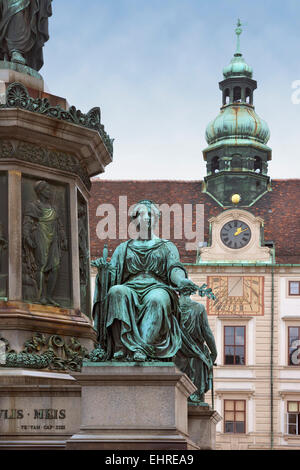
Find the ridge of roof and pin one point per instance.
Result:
(99, 179)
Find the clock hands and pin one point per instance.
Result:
(239, 231)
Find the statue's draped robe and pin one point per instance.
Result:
(184, 328)
(156, 263)
(24, 28)
(194, 356)
(43, 226)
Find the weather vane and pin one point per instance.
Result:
(238, 32)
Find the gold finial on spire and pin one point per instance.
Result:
(238, 32)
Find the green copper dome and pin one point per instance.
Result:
(237, 122)
(238, 68)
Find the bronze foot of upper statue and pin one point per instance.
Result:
(139, 356)
(18, 58)
(119, 355)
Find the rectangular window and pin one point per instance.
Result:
(234, 345)
(294, 343)
(234, 416)
(293, 418)
(294, 288)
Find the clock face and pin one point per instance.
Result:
(235, 234)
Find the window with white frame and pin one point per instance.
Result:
(293, 345)
(294, 288)
(293, 418)
(234, 416)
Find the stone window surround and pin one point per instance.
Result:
(233, 320)
(288, 295)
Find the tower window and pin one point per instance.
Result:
(258, 165)
(237, 94)
(226, 96)
(215, 165)
(248, 96)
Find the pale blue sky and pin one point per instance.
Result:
(153, 66)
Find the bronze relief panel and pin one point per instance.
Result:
(46, 253)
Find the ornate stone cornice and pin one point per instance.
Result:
(28, 152)
(17, 96)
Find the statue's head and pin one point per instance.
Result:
(42, 188)
(146, 216)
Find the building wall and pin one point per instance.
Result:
(252, 382)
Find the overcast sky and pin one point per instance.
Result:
(153, 66)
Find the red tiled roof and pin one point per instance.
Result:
(280, 210)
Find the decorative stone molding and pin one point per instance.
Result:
(46, 353)
(28, 152)
(17, 96)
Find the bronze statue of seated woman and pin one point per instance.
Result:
(137, 310)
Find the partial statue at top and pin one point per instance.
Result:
(24, 31)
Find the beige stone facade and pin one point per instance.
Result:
(266, 372)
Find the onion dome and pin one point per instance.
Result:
(238, 68)
(237, 123)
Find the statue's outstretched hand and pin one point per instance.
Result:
(187, 287)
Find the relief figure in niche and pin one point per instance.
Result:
(44, 239)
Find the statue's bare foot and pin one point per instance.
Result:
(119, 355)
(18, 58)
(139, 356)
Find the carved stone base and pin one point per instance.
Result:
(126, 406)
(202, 421)
(38, 409)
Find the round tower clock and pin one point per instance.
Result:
(235, 234)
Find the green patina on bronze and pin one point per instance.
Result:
(17, 96)
(52, 353)
(46, 249)
(24, 31)
(142, 310)
(237, 154)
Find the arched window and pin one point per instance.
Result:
(226, 96)
(258, 165)
(215, 165)
(237, 94)
(248, 96)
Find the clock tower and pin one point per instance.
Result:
(237, 155)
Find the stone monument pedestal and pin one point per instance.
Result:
(39, 410)
(126, 406)
(202, 421)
